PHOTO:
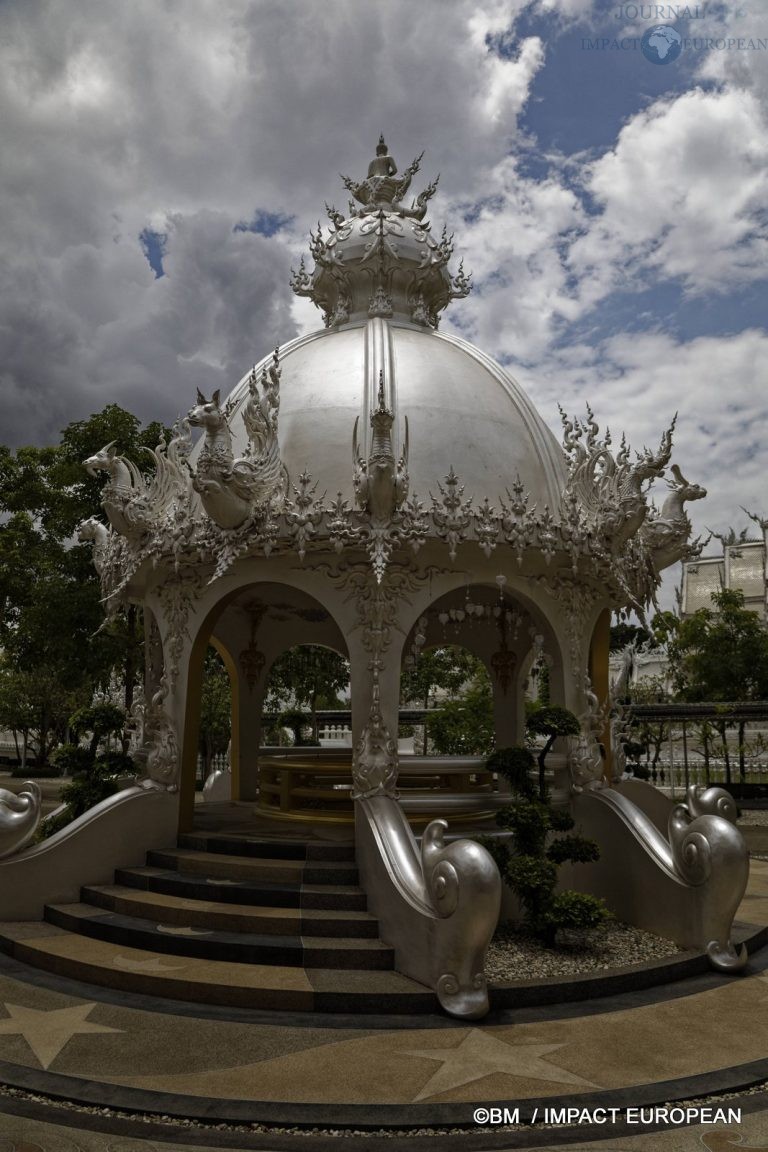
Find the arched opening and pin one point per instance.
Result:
(507, 633)
(452, 686)
(250, 629)
(218, 713)
(301, 683)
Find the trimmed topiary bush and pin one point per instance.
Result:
(514, 765)
(529, 861)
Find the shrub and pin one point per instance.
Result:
(70, 759)
(515, 765)
(530, 867)
(528, 820)
(577, 911)
(573, 849)
(550, 721)
(95, 781)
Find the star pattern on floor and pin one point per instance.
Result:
(175, 930)
(479, 1054)
(154, 965)
(47, 1031)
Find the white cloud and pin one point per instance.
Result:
(681, 195)
(636, 382)
(119, 117)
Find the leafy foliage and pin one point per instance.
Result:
(215, 710)
(515, 766)
(550, 721)
(530, 859)
(463, 724)
(307, 677)
(94, 775)
(464, 727)
(720, 653)
(55, 650)
(623, 634)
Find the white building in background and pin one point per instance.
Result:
(742, 565)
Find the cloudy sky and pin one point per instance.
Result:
(163, 161)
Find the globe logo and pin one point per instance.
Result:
(661, 44)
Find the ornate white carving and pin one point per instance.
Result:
(585, 759)
(304, 514)
(374, 761)
(98, 534)
(451, 515)
(610, 489)
(134, 503)
(666, 534)
(157, 749)
(233, 490)
(400, 268)
(177, 597)
(464, 887)
(708, 849)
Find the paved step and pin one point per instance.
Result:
(343, 897)
(224, 917)
(236, 844)
(201, 981)
(237, 867)
(208, 943)
(228, 919)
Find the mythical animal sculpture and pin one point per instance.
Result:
(19, 817)
(611, 489)
(133, 502)
(124, 486)
(381, 482)
(94, 532)
(232, 489)
(666, 535)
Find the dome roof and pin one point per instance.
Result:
(462, 409)
(381, 378)
(377, 433)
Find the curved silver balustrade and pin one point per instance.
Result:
(437, 908)
(686, 885)
(19, 817)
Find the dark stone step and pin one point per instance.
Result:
(252, 868)
(226, 917)
(173, 883)
(234, 845)
(91, 960)
(233, 947)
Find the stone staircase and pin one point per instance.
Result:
(228, 919)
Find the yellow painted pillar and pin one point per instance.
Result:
(599, 675)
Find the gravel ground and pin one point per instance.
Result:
(516, 956)
(755, 817)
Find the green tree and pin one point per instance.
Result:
(623, 634)
(309, 676)
(720, 654)
(51, 614)
(447, 668)
(650, 734)
(464, 727)
(215, 710)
